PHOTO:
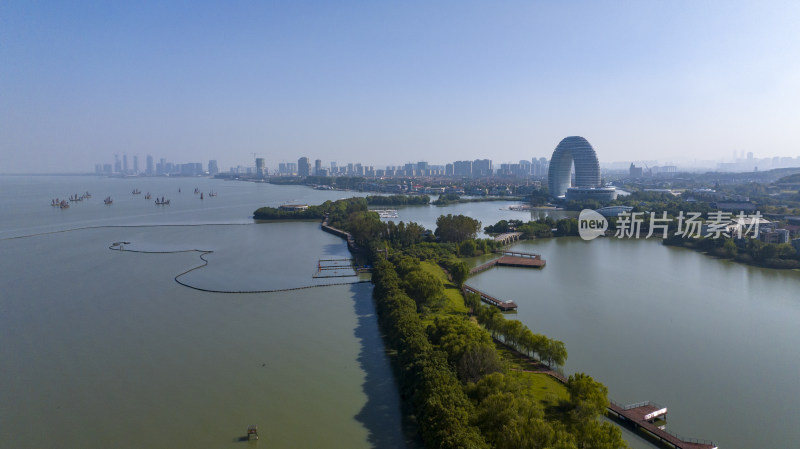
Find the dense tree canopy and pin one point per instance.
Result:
(456, 228)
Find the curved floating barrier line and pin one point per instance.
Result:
(119, 246)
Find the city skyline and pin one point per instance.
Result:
(535, 167)
(368, 82)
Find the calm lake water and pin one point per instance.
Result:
(103, 348)
(714, 341)
(488, 213)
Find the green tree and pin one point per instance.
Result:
(473, 302)
(425, 289)
(458, 270)
(587, 397)
(477, 362)
(729, 248)
(467, 248)
(456, 228)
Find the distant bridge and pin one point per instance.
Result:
(508, 238)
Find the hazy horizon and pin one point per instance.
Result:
(383, 84)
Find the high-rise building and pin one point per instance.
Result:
(462, 168)
(635, 172)
(482, 167)
(191, 169)
(260, 167)
(317, 167)
(539, 167)
(525, 168)
(149, 171)
(125, 163)
(135, 164)
(303, 167)
(213, 169)
(577, 150)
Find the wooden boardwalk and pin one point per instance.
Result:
(351, 242)
(641, 415)
(489, 299)
(512, 259)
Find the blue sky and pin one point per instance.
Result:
(392, 82)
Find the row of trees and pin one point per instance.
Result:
(532, 229)
(338, 210)
(398, 200)
(440, 406)
(447, 198)
(458, 386)
(749, 251)
(517, 335)
(450, 374)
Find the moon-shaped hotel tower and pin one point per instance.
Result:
(577, 150)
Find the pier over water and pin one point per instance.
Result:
(489, 299)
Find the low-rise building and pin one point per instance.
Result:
(774, 236)
(293, 207)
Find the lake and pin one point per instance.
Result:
(103, 348)
(712, 340)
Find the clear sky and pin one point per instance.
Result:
(389, 82)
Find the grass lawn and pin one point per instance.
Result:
(454, 301)
(551, 394)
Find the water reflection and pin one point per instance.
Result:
(382, 406)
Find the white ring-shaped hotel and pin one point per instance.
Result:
(577, 150)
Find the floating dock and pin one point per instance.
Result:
(642, 415)
(505, 306)
(512, 259)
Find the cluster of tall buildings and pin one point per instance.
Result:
(121, 167)
(752, 163)
(478, 168)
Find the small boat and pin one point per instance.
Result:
(147, 196)
(64, 204)
(196, 190)
(136, 191)
(162, 202)
(108, 200)
(252, 432)
(75, 197)
(55, 202)
(212, 193)
(201, 195)
(87, 194)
